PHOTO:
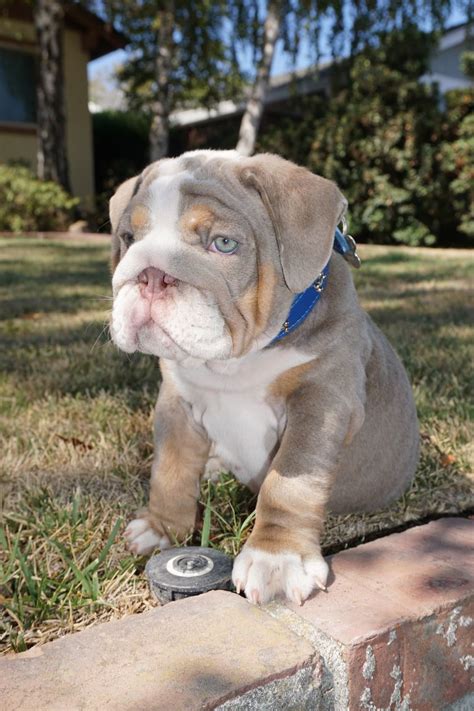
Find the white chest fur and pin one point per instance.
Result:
(230, 400)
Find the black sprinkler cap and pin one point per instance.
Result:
(181, 572)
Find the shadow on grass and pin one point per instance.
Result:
(76, 361)
(389, 258)
(52, 278)
(439, 312)
(52, 302)
(93, 275)
(412, 269)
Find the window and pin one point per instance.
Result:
(17, 86)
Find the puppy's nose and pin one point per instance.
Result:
(153, 281)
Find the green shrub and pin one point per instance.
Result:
(378, 142)
(457, 151)
(291, 137)
(29, 204)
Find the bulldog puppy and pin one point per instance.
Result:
(209, 252)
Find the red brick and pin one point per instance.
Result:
(407, 574)
(419, 665)
(399, 613)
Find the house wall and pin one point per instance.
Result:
(448, 62)
(18, 142)
(16, 146)
(78, 119)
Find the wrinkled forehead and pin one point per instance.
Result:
(168, 189)
(158, 196)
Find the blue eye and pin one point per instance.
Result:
(224, 245)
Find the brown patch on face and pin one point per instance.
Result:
(115, 253)
(140, 217)
(289, 381)
(114, 261)
(199, 218)
(290, 514)
(255, 304)
(267, 279)
(247, 307)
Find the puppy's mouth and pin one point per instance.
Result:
(157, 313)
(156, 290)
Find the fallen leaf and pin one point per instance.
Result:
(447, 460)
(33, 316)
(76, 442)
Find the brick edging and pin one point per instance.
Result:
(393, 632)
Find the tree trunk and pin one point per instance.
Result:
(253, 111)
(51, 116)
(160, 124)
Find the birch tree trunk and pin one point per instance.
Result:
(52, 161)
(160, 124)
(254, 110)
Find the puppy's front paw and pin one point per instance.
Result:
(213, 469)
(142, 539)
(264, 576)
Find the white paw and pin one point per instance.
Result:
(213, 469)
(142, 539)
(264, 576)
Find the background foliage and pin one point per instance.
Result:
(203, 67)
(27, 203)
(401, 152)
(120, 151)
(457, 153)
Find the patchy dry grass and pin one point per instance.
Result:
(75, 427)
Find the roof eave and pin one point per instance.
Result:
(98, 37)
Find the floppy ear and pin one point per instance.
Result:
(117, 206)
(304, 209)
(120, 200)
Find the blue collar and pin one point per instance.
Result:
(302, 305)
(304, 302)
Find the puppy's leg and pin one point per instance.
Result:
(181, 450)
(214, 467)
(282, 555)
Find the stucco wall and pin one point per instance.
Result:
(16, 30)
(21, 145)
(18, 146)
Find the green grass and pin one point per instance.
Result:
(76, 417)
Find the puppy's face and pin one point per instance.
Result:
(200, 259)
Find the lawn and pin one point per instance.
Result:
(76, 416)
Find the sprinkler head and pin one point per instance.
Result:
(181, 572)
